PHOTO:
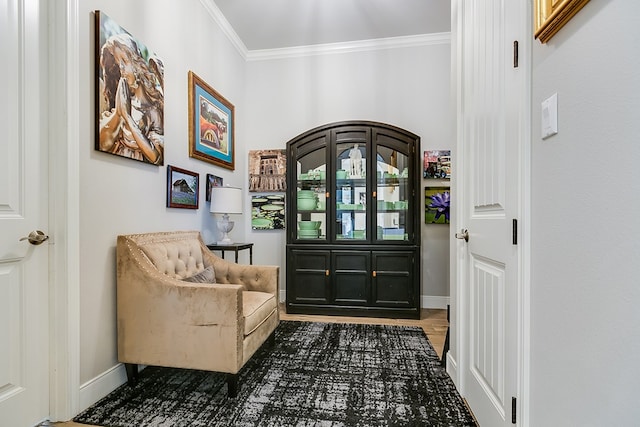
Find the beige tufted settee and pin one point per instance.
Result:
(164, 320)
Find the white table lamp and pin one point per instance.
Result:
(225, 201)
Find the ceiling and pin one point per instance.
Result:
(277, 24)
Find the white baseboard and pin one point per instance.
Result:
(98, 387)
(434, 302)
(452, 370)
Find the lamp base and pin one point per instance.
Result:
(225, 226)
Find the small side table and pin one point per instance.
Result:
(235, 247)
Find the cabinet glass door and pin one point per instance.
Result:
(311, 195)
(351, 191)
(392, 195)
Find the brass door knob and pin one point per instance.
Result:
(36, 237)
(463, 234)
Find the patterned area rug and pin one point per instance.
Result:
(318, 374)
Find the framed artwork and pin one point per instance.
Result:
(437, 202)
(211, 125)
(267, 212)
(551, 15)
(182, 188)
(212, 181)
(128, 76)
(267, 170)
(437, 164)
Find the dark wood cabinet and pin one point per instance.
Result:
(353, 239)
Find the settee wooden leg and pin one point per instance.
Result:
(132, 373)
(271, 341)
(232, 385)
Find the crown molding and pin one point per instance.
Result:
(349, 47)
(320, 49)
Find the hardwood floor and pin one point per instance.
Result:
(432, 321)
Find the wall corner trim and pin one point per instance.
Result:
(225, 26)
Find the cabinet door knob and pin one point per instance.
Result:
(373, 274)
(326, 272)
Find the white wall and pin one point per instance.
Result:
(119, 195)
(407, 87)
(585, 222)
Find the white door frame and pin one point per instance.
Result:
(456, 359)
(64, 212)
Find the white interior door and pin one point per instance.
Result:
(24, 292)
(492, 98)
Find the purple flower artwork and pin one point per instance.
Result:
(437, 204)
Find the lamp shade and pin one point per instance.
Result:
(226, 200)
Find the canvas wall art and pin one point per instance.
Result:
(437, 201)
(267, 170)
(437, 164)
(129, 95)
(267, 212)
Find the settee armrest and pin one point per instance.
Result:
(262, 278)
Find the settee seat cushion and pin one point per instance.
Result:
(256, 309)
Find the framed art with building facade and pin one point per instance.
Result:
(211, 125)
(267, 170)
(129, 95)
(182, 188)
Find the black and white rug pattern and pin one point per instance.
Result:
(318, 374)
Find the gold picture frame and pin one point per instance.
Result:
(551, 15)
(211, 124)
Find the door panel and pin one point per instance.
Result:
(24, 370)
(487, 288)
(492, 119)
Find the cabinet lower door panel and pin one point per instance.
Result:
(309, 280)
(352, 275)
(393, 284)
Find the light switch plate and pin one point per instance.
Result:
(550, 116)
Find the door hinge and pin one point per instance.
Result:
(515, 54)
(513, 410)
(514, 232)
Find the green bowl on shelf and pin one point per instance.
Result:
(307, 204)
(308, 234)
(306, 194)
(309, 225)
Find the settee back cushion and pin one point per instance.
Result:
(178, 259)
